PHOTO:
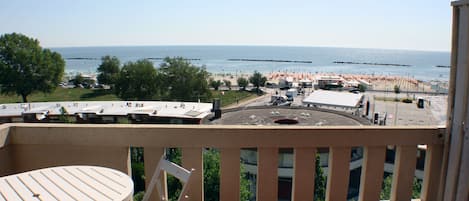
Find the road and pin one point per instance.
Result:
(398, 113)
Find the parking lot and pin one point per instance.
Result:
(397, 113)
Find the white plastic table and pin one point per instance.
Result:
(67, 183)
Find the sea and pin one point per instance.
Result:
(421, 65)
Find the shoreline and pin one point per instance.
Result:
(377, 82)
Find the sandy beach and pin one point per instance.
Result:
(377, 82)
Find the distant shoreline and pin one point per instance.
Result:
(81, 58)
(442, 66)
(372, 64)
(271, 60)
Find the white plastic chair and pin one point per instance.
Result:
(169, 167)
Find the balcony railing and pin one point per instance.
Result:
(26, 147)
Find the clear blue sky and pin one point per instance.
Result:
(390, 24)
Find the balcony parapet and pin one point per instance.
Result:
(34, 146)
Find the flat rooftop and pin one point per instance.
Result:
(110, 108)
(269, 116)
(334, 99)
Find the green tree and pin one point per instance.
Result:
(78, 79)
(257, 80)
(319, 182)
(108, 70)
(211, 176)
(386, 188)
(183, 81)
(362, 88)
(215, 83)
(25, 67)
(173, 184)
(137, 81)
(245, 192)
(227, 84)
(242, 83)
(416, 188)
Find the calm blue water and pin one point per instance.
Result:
(215, 58)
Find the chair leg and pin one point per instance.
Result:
(154, 181)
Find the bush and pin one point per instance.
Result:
(362, 88)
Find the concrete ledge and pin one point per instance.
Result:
(460, 3)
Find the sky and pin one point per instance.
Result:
(390, 24)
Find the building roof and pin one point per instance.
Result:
(110, 108)
(333, 98)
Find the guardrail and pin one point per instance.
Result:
(26, 147)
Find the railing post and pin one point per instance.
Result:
(404, 173)
(431, 180)
(372, 173)
(339, 173)
(230, 174)
(192, 158)
(267, 176)
(304, 172)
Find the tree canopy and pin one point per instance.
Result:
(362, 88)
(25, 67)
(212, 177)
(176, 79)
(183, 81)
(227, 84)
(137, 81)
(215, 83)
(257, 80)
(386, 188)
(242, 83)
(319, 182)
(108, 70)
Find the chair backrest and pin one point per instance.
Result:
(169, 167)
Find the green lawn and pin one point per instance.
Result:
(79, 94)
(61, 94)
(230, 97)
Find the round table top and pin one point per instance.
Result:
(67, 183)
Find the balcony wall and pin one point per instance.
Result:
(26, 147)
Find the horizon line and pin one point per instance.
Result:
(246, 45)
